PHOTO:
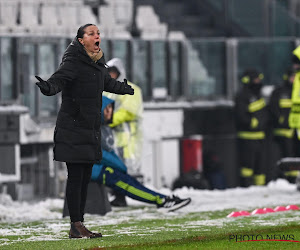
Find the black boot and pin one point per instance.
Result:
(246, 181)
(119, 201)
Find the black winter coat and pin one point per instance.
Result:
(77, 134)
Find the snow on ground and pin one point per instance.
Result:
(21, 215)
(276, 193)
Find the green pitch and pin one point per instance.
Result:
(126, 230)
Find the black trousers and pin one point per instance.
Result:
(252, 155)
(79, 175)
(289, 147)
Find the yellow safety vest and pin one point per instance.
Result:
(294, 117)
(126, 123)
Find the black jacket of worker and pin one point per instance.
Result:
(252, 122)
(286, 137)
(250, 110)
(280, 106)
(77, 134)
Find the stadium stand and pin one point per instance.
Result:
(149, 24)
(63, 17)
(198, 21)
(28, 17)
(8, 12)
(150, 19)
(111, 27)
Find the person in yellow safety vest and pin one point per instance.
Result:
(251, 117)
(126, 125)
(286, 137)
(127, 120)
(294, 117)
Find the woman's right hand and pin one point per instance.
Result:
(43, 85)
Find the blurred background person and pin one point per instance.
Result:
(251, 117)
(286, 137)
(112, 172)
(296, 59)
(294, 116)
(127, 125)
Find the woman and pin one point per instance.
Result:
(82, 77)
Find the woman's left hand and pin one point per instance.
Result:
(127, 88)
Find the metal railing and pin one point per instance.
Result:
(198, 69)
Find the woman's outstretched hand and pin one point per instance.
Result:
(43, 85)
(127, 88)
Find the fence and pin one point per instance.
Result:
(202, 69)
(167, 71)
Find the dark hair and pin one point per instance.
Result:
(251, 73)
(289, 72)
(295, 60)
(114, 69)
(80, 31)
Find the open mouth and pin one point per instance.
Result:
(97, 44)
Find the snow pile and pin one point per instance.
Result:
(276, 193)
(14, 211)
(279, 192)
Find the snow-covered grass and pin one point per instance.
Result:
(41, 224)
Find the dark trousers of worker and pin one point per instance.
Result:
(289, 147)
(129, 186)
(286, 146)
(252, 161)
(79, 175)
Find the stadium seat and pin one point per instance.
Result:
(106, 15)
(109, 26)
(122, 11)
(87, 16)
(8, 15)
(50, 19)
(146, 16)
(118, 32)
(69, 15)
(148, 22)
(176, 36)
(29, 22)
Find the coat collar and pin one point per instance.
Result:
(76, 49)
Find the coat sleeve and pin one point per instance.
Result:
(66, 73)
(113, 86)
(243, 116)
(273, 106)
